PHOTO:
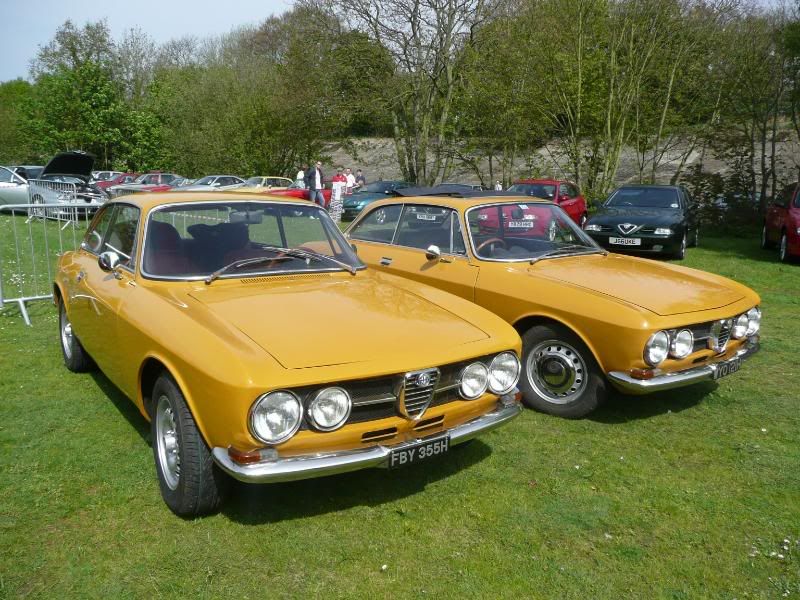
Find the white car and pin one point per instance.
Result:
(212, 182)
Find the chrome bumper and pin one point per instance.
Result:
(667, 381)
(318, 465)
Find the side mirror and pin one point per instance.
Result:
(108, 261)
(433, 252)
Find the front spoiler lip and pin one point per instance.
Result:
(668, 381)
(317, 465)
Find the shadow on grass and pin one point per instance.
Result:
(254, 504)
(124, 405)
(622, 408)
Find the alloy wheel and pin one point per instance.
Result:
(168, 444)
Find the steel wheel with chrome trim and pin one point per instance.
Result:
(75, 357)
(191, 484)
(560, 376)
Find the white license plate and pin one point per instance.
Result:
(728, 367)
(521, 224)
(626, 241)
(424, 217)
(419, 451)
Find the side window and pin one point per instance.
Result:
(121, 237)
(379, 225)
(563, 190)
(423, 226)
(5, 175)
(458, 246)
(94, 236)
(573, 191)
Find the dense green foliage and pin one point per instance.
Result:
(481, 85)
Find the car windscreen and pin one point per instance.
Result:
(537, 190)
(193, 240)
(205, 181)
(524, 231)
(252, 182)
(644, 197)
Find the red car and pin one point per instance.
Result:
(295, 191)
(564, 193)
(782, 223)
(117, 180)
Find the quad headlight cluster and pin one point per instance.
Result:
(276, 416)
(680, 343)
(499, 377)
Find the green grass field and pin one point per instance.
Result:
(692, 493)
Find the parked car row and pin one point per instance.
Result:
(450, 307)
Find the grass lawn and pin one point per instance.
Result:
(684, 494)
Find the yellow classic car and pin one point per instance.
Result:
(259, 346)
(587, 317)
(261, 184)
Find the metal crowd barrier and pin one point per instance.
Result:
(32, 237)
(57, 193)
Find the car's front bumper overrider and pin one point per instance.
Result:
(318, 465)
(667, 381)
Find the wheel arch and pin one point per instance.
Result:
(524, 323)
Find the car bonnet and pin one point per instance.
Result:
(78, 164)
(320, 320)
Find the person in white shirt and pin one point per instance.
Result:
(498, 187)
(351, 182)
(300, 178)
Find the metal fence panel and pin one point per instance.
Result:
(32, 237)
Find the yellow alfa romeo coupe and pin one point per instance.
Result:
(587, 317)
(259, 346)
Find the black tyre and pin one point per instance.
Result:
(190, 482)
(559, 374)
(76, 359)
(765, 243)
(680, 253)
(783, 249)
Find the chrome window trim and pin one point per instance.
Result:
(595, 246)
(247, 275)
(113, 206)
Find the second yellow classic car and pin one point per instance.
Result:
(261, 347)
(587, 317)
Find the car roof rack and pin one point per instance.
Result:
(452, 191)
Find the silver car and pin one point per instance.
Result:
(13, 188)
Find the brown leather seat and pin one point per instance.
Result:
(164, 252)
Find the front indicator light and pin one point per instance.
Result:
(275, 417)
(753, 320)
(474, 381)
(592, 227)
(740, 326)
(682, 344)
(656, 348)
(503, 373)
(330, 408)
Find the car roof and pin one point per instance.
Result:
(651, 185)
(150, 200)
(463, 201)
(544, 181)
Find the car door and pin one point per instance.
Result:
(13, 188)
(776, 213)
(568, 201)
(418, 227)
(98, 295)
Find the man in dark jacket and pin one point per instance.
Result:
(314, 184)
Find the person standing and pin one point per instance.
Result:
(338, 184)
(361, 181)
(301, 176)
(498, 187)
(314, 179)
(351, 182)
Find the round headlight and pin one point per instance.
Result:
(682, 344)
(656, 348)
(740, 326)
(275, 417)
(503, 373)
(474, 379)
(329, 409)
(753, 320)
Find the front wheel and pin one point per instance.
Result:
(190, 482)
(560, 376)
(76, 359)
(783, 249)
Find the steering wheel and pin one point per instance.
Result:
(494, 240)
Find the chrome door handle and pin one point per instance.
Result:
(79, 277)
(386, 261)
